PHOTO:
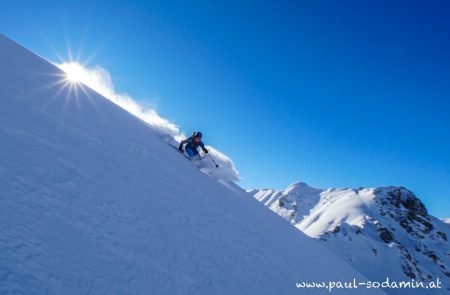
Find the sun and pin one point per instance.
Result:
(75, 72)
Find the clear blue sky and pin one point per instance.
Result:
(333, 93)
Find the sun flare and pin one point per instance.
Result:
(75, 73)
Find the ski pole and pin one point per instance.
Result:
(217, 166)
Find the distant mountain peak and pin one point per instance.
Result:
(370, 228)
(301, 188)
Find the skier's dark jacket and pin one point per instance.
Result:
(192, 145)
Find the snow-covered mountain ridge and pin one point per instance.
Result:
(379, 231)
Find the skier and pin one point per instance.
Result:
(192, 143)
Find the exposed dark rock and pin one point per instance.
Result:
(336, 229)
(428, 227)
(415, 205)
(407, 269)
(385, 235)
(405, 253)
(418, 247)
(405, 224)
(401, 197)
(442, 235)
(431, 254)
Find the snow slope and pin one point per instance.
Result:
(380, 231)
(94, 202)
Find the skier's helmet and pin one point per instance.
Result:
(197, 134)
